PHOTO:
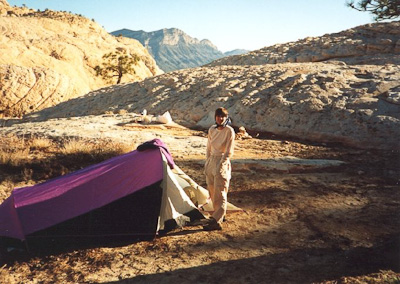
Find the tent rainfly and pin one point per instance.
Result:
(136, 195)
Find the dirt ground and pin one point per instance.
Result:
(302, 223)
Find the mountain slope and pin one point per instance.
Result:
(173, 49)
(47, 57)
(319, 102)
(331, 101)
(368, 44)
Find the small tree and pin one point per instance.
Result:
(382, 9)
(116, 64)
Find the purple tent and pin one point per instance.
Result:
(121, 196)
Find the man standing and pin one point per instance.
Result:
(217, 168)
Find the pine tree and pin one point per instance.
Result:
(382, 9)
(116, 64)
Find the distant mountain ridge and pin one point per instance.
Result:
(236, 52)
(173, 49)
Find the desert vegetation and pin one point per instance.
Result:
(116, 64)
(29, 160)
(381, 9)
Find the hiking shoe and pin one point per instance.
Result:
(212, 226)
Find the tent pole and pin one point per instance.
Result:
(26, 246)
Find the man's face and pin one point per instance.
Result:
(220, 119)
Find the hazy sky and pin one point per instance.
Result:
(228, 24)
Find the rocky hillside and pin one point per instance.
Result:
(331, 101)
(377, 43)
(173, 49)
(323, 102)
(47, 57)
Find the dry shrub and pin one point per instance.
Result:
(13, 151)
(101, 149)
(38, 159)
(5, 189)
(75, 146)
(12, 142)
(40, 143)
(76, 154)
(116, 148)
(14, 158)
(5, 275)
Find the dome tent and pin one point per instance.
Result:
(134, 195)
